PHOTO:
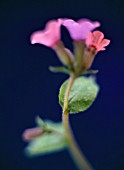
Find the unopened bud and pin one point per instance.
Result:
(31, 133)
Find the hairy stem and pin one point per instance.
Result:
(74, 150)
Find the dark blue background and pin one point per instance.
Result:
(27, 88)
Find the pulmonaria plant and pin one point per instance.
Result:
(76, 94)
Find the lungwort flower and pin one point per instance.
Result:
(49, 36)
(97, 41)
(80, 29)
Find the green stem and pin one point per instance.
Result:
(74, 150)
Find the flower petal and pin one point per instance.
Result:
(89, 39)
(73, 28)
(87, 24)
(105, 42)
(79, 30)
(49, 36)
(97, 37)
(96, 40)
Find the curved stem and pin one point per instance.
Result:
(74, 150)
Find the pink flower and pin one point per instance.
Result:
(49, 36)
(96, 40)
(80, 29)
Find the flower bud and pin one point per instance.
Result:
(31, 133)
